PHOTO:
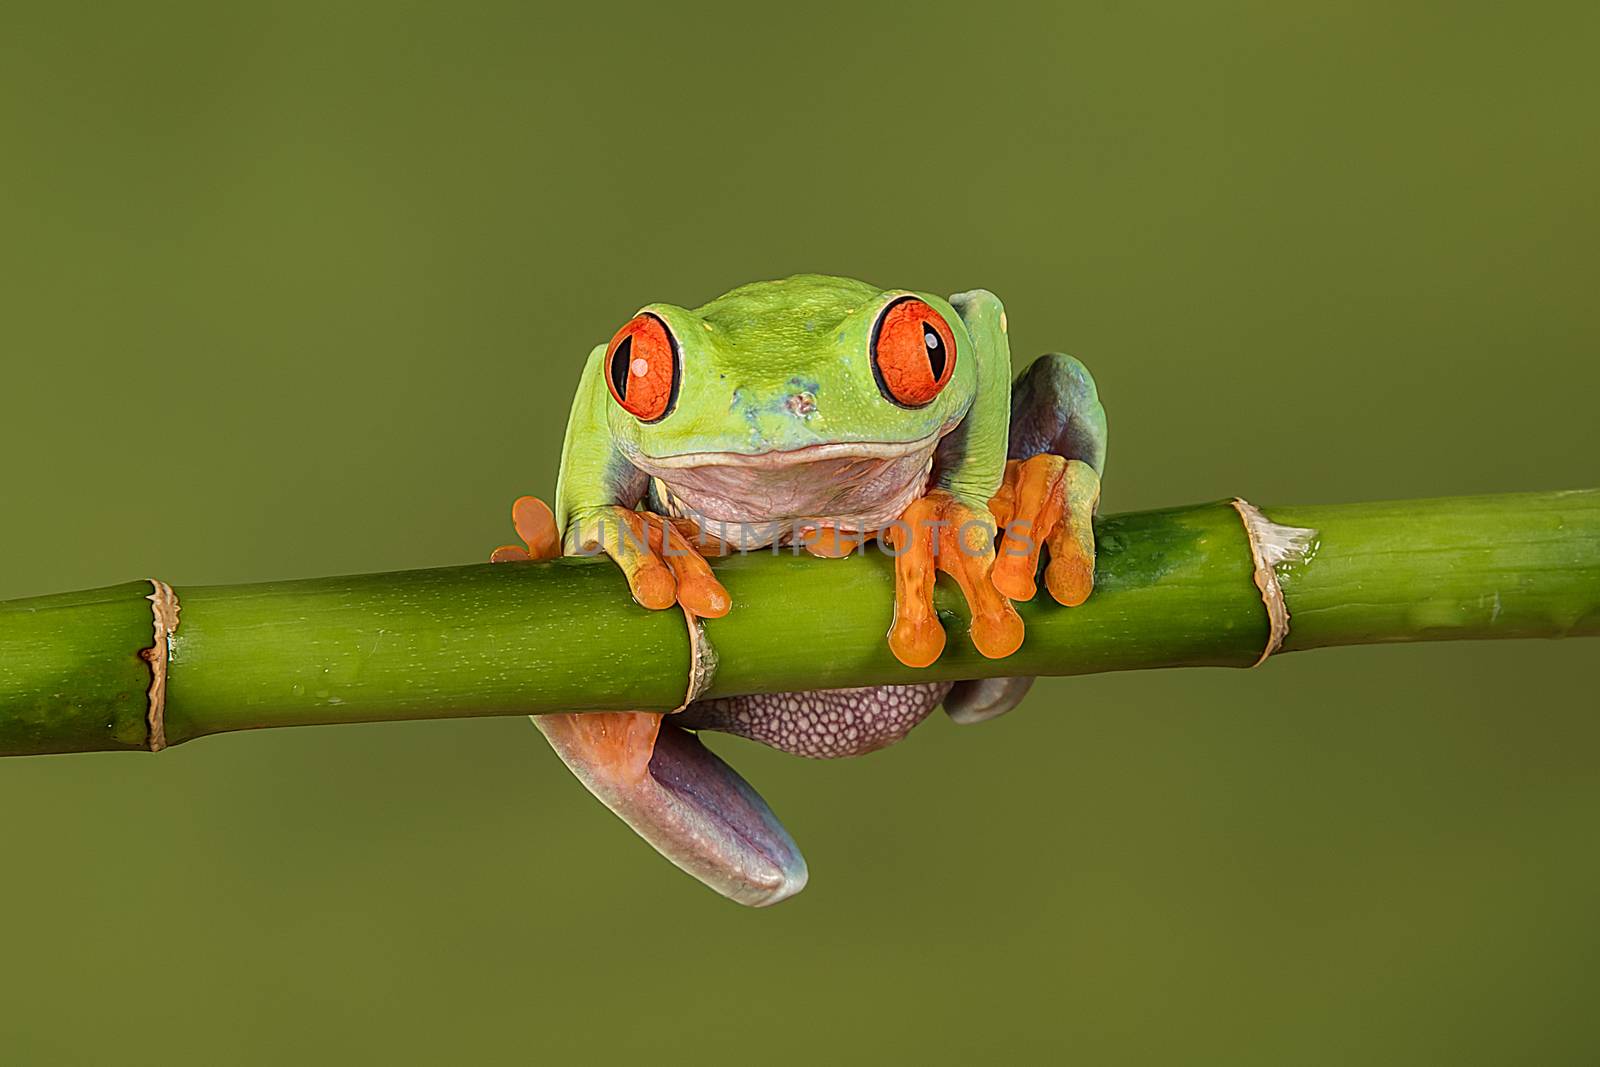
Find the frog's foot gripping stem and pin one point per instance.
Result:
(661, 565)
(654, 775)
(1046, 500)
(940, 532)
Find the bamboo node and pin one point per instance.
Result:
(702, 661)
(164, 610)
(1270, 545)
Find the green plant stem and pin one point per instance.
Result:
(1173, 589)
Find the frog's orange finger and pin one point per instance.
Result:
(706, 543)
(915, 636)
(1036, 497)
(698, 589)
(827, 542)
(536, 525)
(537, 528)
(620, 533)
(942, 533)
(1003, 505)
(1070, 574)
(650, 579)
(967, 555)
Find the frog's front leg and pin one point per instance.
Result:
(1051, 489)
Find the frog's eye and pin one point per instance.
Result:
(913, 352)
(641, 368)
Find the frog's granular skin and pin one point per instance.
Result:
(822, 723)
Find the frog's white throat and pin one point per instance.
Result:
(769, 497)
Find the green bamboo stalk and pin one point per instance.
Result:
(1173, 589)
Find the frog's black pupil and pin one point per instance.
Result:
(936, 353)
(621, 360)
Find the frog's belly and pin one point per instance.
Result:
(752, 506)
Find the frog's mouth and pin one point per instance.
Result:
(851, 485)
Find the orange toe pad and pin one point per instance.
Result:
(941, 533)
(1047, 500)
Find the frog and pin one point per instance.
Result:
(824, 415)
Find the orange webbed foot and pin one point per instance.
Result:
(1047, 500)
(940, 532)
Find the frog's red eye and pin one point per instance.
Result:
(913, 352)
(642, 368)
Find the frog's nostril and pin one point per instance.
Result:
(803, 404)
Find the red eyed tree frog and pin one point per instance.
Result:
(822, 412)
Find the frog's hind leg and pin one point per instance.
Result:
(676, 794)
(657, 777)
(1055, 409)
(820, 723)
(1055, 455)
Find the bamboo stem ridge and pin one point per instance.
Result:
(1174, 588)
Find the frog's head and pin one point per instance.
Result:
(791, 398)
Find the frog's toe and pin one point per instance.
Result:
(983, 699)
(1046, 500)
(661, 565)
(826, 542)
(698, 589)
(677, 795)
(1027, 508)
(916, 641)
(941, 533)
(1070, 573)
(915, 636)
(996, 629)
(536, 526)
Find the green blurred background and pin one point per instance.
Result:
(302, 290)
